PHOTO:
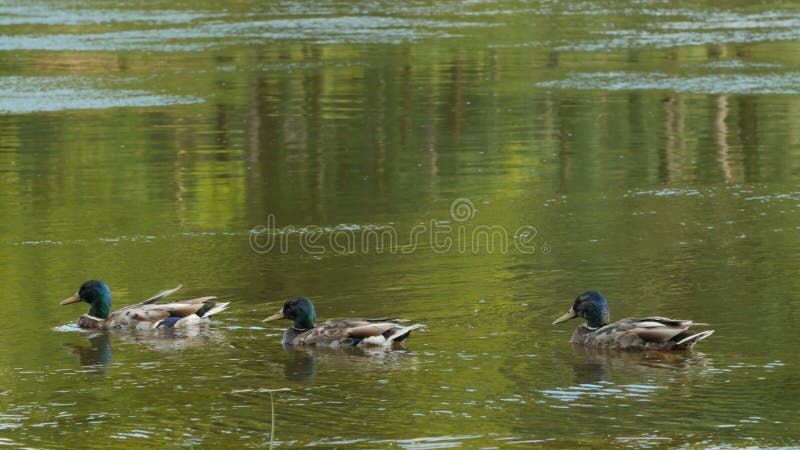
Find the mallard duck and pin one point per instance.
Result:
(335, 333)
(648, 333)
(141, 316)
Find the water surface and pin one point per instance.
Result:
(644, 149)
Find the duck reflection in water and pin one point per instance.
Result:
(96, 355)
(592, 364)
(603, 374)
(173, 340)
(301, 365)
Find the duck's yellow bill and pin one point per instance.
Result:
(567, 315)
(276, 316)
(74, 299)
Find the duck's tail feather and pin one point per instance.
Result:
(209, 309)
(695, 338)
(200, 316)
(401, 334)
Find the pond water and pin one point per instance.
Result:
(366, 155)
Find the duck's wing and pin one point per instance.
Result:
(161, 295)
(650, 332)
(356, 332)
(659, 329)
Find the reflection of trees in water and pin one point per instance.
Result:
(721, 137)
(315, 118)
(333, 130)
(671, 168)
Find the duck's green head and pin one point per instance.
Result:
(97, 294)
(297, 309)
(592, 306)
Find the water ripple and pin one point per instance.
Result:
(202, 36)
(601, 390)
(432, 442)
(703, 28)
(729, 83)
(34, 94)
